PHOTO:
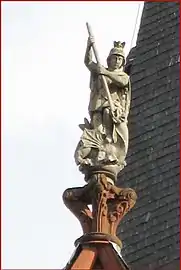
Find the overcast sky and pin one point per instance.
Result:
(45, 95)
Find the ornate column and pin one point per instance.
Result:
(109, 205)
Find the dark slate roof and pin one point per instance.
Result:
(150, 232)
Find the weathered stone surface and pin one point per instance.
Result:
(104, 142)
(109, 205)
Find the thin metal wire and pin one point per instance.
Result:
(136, 22)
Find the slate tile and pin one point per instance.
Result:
(150, 231)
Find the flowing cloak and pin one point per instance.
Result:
(121, 129)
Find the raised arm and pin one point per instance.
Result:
(88, 56)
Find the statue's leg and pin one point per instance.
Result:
(74, 200)
(108, 124)
(96, 121)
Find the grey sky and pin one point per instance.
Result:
(45, 94)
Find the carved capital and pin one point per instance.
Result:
(109, 205)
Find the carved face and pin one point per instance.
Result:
(115, 61)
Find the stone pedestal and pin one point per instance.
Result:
(109, 205)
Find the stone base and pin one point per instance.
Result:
(109, 205)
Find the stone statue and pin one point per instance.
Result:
(101, 151)
(104, 142)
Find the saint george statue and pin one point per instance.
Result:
(104, 143)
(102, 149)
